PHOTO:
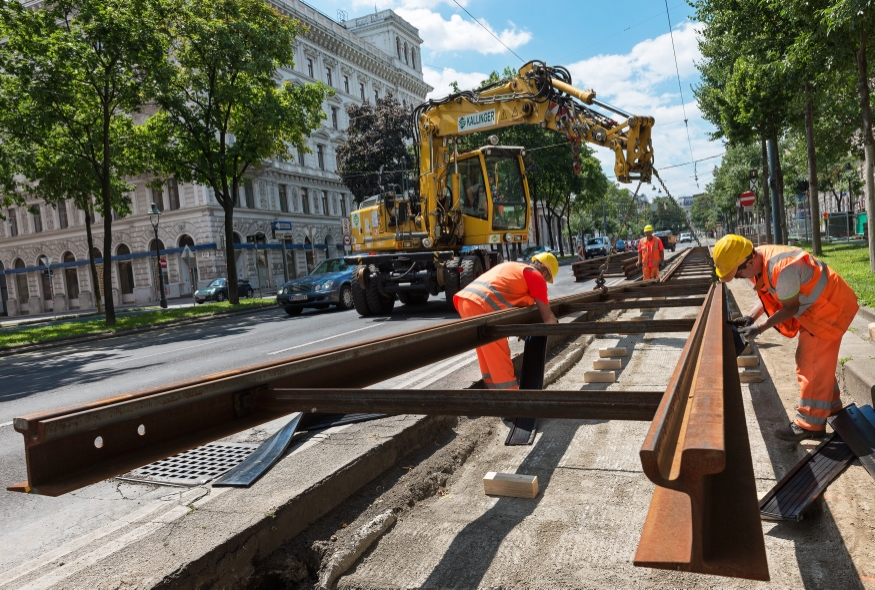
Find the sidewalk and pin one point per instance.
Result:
(48, 319)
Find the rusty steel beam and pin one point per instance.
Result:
(590, 405)
(578, 328)
(704, 515)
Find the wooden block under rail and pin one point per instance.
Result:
(751, 376)
(602, 364)
(746, 350)
(514, 485)
(872, 331)
(611, 352)
(748, 360)
(599, 377)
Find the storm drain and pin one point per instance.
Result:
(192, 468)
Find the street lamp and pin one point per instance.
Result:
(154, 216)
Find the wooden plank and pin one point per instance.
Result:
(612, 352)
(514, 485)
(599, 377)
(748, 360)
(602, 364)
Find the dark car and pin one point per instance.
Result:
(527, 254)
(596, 247)
(218, 291)
(620, 246)
(327, 284)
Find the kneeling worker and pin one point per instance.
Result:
(506, 285)
(801, 295)
(650, 253)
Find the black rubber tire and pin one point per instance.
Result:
(452, 287)
(293, 311)
(220, 296)
(378, 304)
(408, 298)
(359, 296)
(250, 293)
(471, 269)
(345, 299)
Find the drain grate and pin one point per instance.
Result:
(192, 468)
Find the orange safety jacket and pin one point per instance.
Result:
(501, 287)
(827, 305)
(650, 251)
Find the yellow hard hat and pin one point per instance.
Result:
(648, 227)
(729, 252)
(548, 260)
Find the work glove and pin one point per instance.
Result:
(750, 332)
(742, 321)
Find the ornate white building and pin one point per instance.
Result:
(361, 59)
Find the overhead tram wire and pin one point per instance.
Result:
(680, 88)
(485, 28)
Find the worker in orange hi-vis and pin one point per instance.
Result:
(801, 295)
(650, 253)
(506, 285)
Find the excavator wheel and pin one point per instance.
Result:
(471, 269)
(359, 294)
(452, 286)
(378, 304)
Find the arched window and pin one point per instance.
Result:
(185, 240)
(152, 245)
(398, 46)
(125, 272)
(96, 253)
(237, 239)
(21, 287)
(122, 250)
(406, 60)
(44, 280)
(71, 278)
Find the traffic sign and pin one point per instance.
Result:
(344, 223)
(282, 226)
(747, 198)
(284, 235)
(163, 264)
(347, 240)
(186, 254)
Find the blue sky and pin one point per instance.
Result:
(622, 49)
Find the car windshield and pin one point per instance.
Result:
(218, 283)
(594, 242)
(331, 265)
(531, 251)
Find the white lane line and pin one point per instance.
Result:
(440, 375)
(5, 424)
(322, 340)
(136, 358)
(436, 367)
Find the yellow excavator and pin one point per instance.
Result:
(408, 244)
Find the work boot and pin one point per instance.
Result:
(795, 433)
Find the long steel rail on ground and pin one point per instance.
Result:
(704, 508)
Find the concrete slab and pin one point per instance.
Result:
(602, 364)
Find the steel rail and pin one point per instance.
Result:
(578, 328)
(646, 304)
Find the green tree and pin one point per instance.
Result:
(71, 74)
(377, 138)
(222, 113)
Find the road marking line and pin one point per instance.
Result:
(136, 358)
(322, 340)
(437, 367)
(5, 424)
(440, 375)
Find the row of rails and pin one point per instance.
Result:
(622, 264)
(703, 516)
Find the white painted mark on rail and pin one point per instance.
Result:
(321, 340)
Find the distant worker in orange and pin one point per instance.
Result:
(650, 253)
(506, 285)
(801, 295)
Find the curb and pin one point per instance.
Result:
(867, 312)
(59, 342)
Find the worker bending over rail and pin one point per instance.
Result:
(801, 295)
(650, 253)
(509, 284)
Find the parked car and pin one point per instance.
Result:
(326, 285)
(685, 237)
(596, 247)
(527, 254)
(218, 291)
(620, 246)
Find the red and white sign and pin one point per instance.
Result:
(747, 199)
(344, 224)
(347, 240)
(163, 264)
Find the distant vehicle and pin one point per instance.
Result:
(218, 291)
(669, 240)
(620, 246)
(596, 247)
(326, 285)
(633, 245)
(685, 237)
(527, 254)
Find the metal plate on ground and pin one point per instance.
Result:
(192, 468)
(857, 429)
(806, 481)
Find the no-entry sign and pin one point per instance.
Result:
(163, 264)
(747, 198)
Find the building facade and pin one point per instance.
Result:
(361, 59)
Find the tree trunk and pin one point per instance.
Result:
(230, 261)
(550, 227)
(106, 198)
(93, 264)
(764, 184)
(813, 203)
(535, 212)
(570, 235)
(781, 213)
(868, 142)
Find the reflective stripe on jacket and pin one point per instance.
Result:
(501, 287)
(827, 305)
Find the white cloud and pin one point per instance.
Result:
(440, 80)
(458, 33)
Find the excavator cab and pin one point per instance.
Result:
(493, 195)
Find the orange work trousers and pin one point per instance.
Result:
(651, 273)
(819, 397)
(494, 358)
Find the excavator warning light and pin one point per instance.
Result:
(493, 140)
